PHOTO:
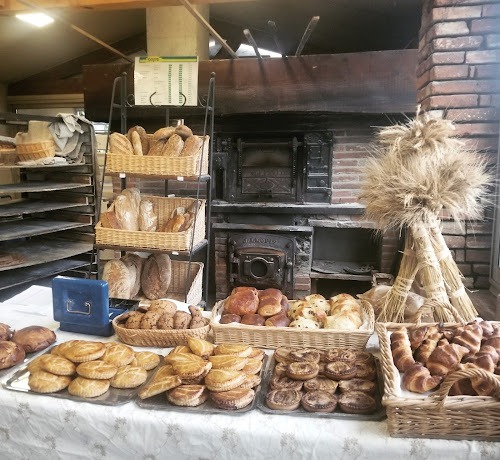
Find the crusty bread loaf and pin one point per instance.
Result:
(156, 276)
(136, 143)
(173, 147)
(183, 131)
(118, 143)
(192, 146)
(126, 213)
(163, 134)
(134, 263)
(119, 277)
(135, 196)
(148, 220)
(109, 220)
(229, 318)
(156, 148)
(143, 136)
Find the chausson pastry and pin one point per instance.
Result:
(57, 365)
(366, 386)
(84, 351)
(339, 354)
(35, 365)
(230, 362)
(45, 382)
(118, 355)
(237, 350)
(340, 370)
(304, 355)
(321, 383)
(319, 401)
(184, 358)
(88, 388)
(256, 353)
(157, 386)
(199, 379)
(285, 383)
(253, 366)
(235, 399)
(191, 369)
(251, 381)
(302, 371)
(188, 395)
(283, 399)
(147, 359)
(357, 402)
(129, 377)
(164, 371)
(200, 347)
(223, 380)
(98, 370)
(181, 349)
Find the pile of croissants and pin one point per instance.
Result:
(427, 354)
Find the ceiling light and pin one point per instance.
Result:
(36, 19)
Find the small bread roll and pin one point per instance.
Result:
(280, 320)
(230, 318)
(253, 319)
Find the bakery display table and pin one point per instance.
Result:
(44, 427)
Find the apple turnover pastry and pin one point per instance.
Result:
(234, 363)
(147, 359)
(235, 399)
(200, 347)
(88, 388)
(45, 382)
(98, 370)
(188, 395)
(129, 377)
(319, 401)
(223, 380)
(236, 350)
(251, 381)
(159, 385)
(283, 399)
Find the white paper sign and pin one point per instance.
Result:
(166, 80)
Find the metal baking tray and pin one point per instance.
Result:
(160, 402)
(379, 414)
(113, 397)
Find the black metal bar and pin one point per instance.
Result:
(123, 103)
(274, 32)
(252, 42)
(307, 33)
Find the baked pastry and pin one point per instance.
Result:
(156, 276)
(366, 386)
(445, 359)
(88, 388)
(134, 321)
(470, 338)
(251, 381)
(304, 323)
(366, 371)
(282, 355)
(319, 401)
(235, 350)
(164, 371)
(147, 359)
(242, 302)
(181, 349)
(344, 321)
(235, 363)
(321, 383)
(429, 344)
(129, 377)
(364, 357)
(256, 353)
(315, 314)
(223, 379)
(285, 383)
(181, 356)
(189, 370)
(165, 322)
(84, 351)
(269, 302)
(418, 379)
(35, 365)
(304, 370)
(34, 338)
(317, 300)
(45, 382)
(192, 146)
(280, 369)
(283, 399)
(57, 365)
(60, 349)
(339, 354)
(188, 395)
(253, 319)
(253, 366)
(401, 349)
(198, 379)
(229, 318)
(304, 355)
(279, 320)
(357, 402)
(11, 354)
(5, 332)
(118, 355)
(159, 385)
(200, 347)
(340, 370)
(163, 305)
(97, 370)
(295, 307)
(182, 320)
(150, 319)
(234, 399)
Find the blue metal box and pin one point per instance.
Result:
(83, 305)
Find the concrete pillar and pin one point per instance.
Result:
(173, 31)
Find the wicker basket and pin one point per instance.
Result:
(179, 241)
(437, 415)
(159, 165)
(36, 150)
(274, 337)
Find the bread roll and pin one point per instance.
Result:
(120, 279)
(143, 137)
(304, 323)
(173, 147)
(280, 320)
(156, 276)
(252, 319)
(192, 146)
(136, 143)
(148, 220)
(182, 320)
(134, 263)
(270, 302)
(295, 307)
(241, 303)
(118, 143)
(317, 300)
(230, 318)
(245, 289)
(163, 134)
(315, 314)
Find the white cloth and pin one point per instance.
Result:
(42, 427)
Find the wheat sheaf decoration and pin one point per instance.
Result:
(417, 169)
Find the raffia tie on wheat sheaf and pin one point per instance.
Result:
(417, 170)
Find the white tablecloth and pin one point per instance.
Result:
(42, 427)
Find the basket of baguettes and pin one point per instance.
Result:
(154, 222)
(268, 319)
(169, 151)
(441, 379)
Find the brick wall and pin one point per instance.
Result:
(458, 76)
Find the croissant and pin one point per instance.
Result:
(488, 350)
(445, 359)
(401, 349)
(470, 338)
(481, 386)
(417, 336)
(494, 342)
(428, 346)
(443, 341)
(418, 379)
(487, 328)
(462, 387)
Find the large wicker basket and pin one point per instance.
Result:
(178, 241)
(160, 165)
(437, 415)
(36, 150)
(274, 337)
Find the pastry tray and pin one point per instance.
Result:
(113, 397)
(379, 414)
(26, 360)
(160, 402)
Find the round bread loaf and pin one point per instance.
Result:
(10, 354)
(34, 338)
(5, 332)
(120, 279)
(156, 276)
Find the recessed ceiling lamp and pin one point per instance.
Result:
(36, 19)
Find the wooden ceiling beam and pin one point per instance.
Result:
(12, 6)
